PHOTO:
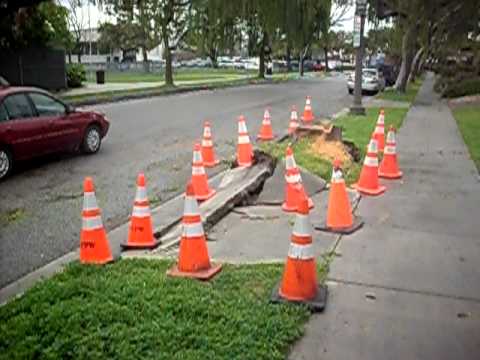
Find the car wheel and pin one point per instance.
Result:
(92, 140)
(6, 163)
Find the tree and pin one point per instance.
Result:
(77, 26)
(123, 35)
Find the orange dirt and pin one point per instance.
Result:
(330, 150)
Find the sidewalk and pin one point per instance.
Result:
(407, 286)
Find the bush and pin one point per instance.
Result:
(76, 75)
(462, 88)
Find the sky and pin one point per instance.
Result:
(96, 16)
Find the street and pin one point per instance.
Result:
(153, 135)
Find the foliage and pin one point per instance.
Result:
(465, 87)
(131, 310)
(44, 24)
(76, 75)
(468, 119)
(407, 96)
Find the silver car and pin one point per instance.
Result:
(372, 81)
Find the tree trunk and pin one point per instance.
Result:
(289, 58)
(408, 44)
(300, 64)
(415, 65)
(146, 66)
(168, 59)
(69, 57)
(261, 66)
(79, 58)
(212, 54)
(325, 51)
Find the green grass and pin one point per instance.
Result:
(131, 310)
(182, 75)
(408, 96)
(357, 129)
(468, 119)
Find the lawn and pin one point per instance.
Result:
(356, 129)
(131, 310)
(408, 96)
(468, 119)
(182, 75)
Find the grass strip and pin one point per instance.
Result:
(408, 96)
(468, 119)
(131, 310)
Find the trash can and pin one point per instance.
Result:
(100, 76)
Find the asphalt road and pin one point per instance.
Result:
(44, 197)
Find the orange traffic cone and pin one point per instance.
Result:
(368, 183)
(94, 246)
(266, 132)
(193, 259)
(379, 133)
(244, 147)
(389, 166)
(308, 116)
(299, 281)
(339, 213)
(208, 153)
(293, 124)
(199, 178)
(294, 190)
(140, 234)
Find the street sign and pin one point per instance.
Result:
(356, 31)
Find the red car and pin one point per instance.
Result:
(34, 123)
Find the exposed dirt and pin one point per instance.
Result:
(330, 150)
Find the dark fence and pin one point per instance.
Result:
(44, 68)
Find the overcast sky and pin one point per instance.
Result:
(96, 16)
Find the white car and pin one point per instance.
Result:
(372, 81)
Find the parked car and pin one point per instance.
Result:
(372, 81)
(33, 122)
(318, 66)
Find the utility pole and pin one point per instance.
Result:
(358, 42)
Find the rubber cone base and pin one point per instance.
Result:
(211, 164)
(287, 208)
(133, 245)
(203, 275)
(357, 224)
(317, 304)
(207, 196)
(380, 190)
(390, 176)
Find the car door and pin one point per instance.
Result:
(61, 132)
(23, 131)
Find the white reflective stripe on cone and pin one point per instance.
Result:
(379, 130)
(290, 162)
(391, 137)
(302, 252)
(337, 176)
(92, 223)
(197, 157)
(308, 108)
(302, 226)
(370, 161)
(266, 122)
(190, 207)
(198, 170)
(242, 127)
(381, 119)
(389, 149)
(141, 194)
(294, 115)
(244, 139)
(372, 146)
(308, 101)
(141, 211)
(266, 114)
(191, 230)
(207, 143)
(293, 179)
(207, 132)
(89, 201)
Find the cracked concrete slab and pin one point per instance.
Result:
(273, 190)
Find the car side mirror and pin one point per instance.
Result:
(69, 109)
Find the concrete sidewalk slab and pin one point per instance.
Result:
(274, 188)
(394, 325)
